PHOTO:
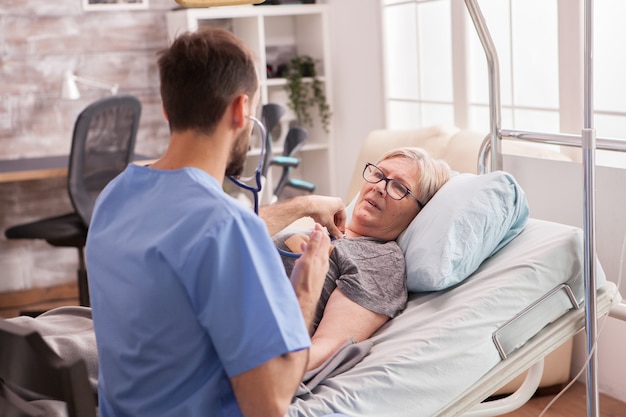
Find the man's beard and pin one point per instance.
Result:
(239, 153)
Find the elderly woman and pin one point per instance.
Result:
(366, 282)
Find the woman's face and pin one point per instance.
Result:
(378, 215)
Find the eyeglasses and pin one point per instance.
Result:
(394, 188)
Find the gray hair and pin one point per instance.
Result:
(432, 173)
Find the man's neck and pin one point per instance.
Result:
(209, 153)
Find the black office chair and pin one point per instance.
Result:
(30, 370)
(294, 141)
(103, 144)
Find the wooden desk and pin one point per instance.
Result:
(12, 170)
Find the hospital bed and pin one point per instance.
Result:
(451, 349)
(440, 356)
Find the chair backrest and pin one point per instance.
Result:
(103, 144)
(270, 116)
(294, 141)
(30, 369)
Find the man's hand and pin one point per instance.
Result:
(309, 273)
(330, 212)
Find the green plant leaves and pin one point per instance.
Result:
(303, 94)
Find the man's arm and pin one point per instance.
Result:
(267, 390)
(327, 211)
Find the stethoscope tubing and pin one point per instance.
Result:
(255, 190)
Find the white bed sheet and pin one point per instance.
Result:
(441, 345)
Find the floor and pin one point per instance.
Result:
(571, 404)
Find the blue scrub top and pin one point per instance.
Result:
(187, 291)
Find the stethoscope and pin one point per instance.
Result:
(256, 189)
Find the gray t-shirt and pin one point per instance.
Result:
(368, 271)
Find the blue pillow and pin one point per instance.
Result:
(469, 219)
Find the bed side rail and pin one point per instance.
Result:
(561, 139)
(515, 332)
(551, 336)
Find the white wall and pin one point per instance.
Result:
(357, 74)
(555, 192)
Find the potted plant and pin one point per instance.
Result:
(304, 94)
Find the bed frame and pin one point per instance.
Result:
(594, 305)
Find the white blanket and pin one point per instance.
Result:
(442, 344)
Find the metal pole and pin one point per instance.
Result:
(589, 148)
(588, 145)
(494, 82)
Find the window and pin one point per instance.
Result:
(526, 42)
(610, 68)
(418, 63)
(436, 71)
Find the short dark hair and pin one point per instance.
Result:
(201, 73)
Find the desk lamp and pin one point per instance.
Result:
(213, 3)
(70, 91)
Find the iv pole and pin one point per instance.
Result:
(588, 145)
(589, 148)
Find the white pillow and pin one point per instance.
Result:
(469, 219)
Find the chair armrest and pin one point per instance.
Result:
(285, 161)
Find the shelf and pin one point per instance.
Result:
(228, 12)
(276, 82)
(279, 82)
(278, 150)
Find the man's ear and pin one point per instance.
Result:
(165, 114)
(239, 110)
